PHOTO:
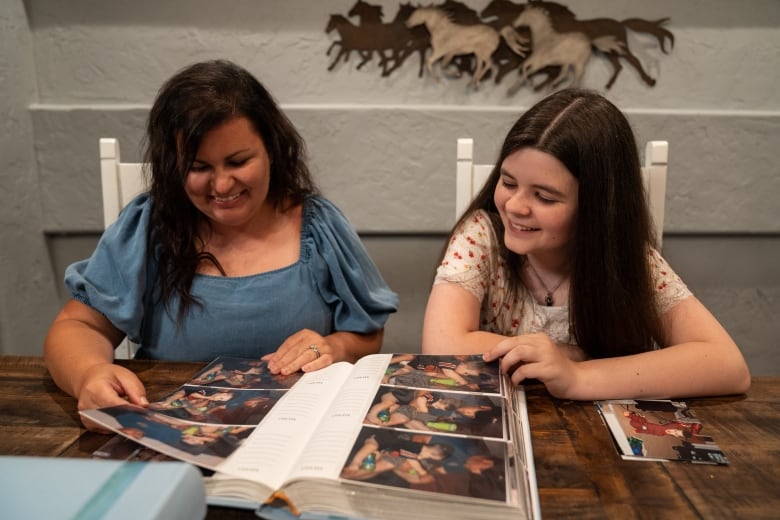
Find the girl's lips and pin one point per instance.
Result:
(521, 227)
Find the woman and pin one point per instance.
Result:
(552, 270)
(232, 252)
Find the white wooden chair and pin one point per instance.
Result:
(471, 177)
(120, 183)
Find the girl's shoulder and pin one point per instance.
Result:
(669, 287)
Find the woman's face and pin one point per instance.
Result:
(230, 176)
(536, 197)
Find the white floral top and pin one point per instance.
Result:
(472, 261)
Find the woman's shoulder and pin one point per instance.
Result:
(114, 278)
(132, 223)
(319, 207)
(332, 249)
(323, 220)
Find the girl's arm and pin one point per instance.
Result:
(700, 359)
(451, 324)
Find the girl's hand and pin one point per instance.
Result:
(536, 356)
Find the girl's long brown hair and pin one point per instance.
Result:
(611, 296)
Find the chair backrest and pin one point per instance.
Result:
(120, 183)
(470, 177)
(654, 177)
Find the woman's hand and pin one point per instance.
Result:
(536, 356)
(305, 350)
(106, 384)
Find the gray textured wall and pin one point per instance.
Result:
(27, 284)
(383, 148)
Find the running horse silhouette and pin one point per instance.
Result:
(570, 51)
(352, 39)
(449, 39)
(376, 38)
(399, 40)
(462, 14)
(607, 36)
(368, 14)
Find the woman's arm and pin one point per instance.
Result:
(350, 346)
(79, 352)
(700, 359)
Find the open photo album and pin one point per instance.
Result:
(356, 440)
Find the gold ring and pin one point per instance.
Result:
(316, 351)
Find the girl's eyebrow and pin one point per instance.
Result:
(549, 189)
(544, 187)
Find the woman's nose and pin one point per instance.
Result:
(221, 181)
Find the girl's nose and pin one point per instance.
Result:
(518, 204)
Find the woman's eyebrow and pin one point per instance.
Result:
(231, 156)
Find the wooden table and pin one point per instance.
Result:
(578, 470)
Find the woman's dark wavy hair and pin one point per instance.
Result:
(191, 103)
(611, 296)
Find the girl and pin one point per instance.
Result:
(552, 270)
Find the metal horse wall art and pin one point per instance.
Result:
(535, 38)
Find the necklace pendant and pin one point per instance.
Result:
(548, 301)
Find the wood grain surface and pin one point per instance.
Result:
(579, 472)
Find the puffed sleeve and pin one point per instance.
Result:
(113, 280)
(351, 284)
(467, 261)
(669, 287)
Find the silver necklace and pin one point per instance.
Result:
(548, 300)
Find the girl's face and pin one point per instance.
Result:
(230, 176)
(536, 197)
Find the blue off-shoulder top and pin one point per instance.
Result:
(334, 286)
